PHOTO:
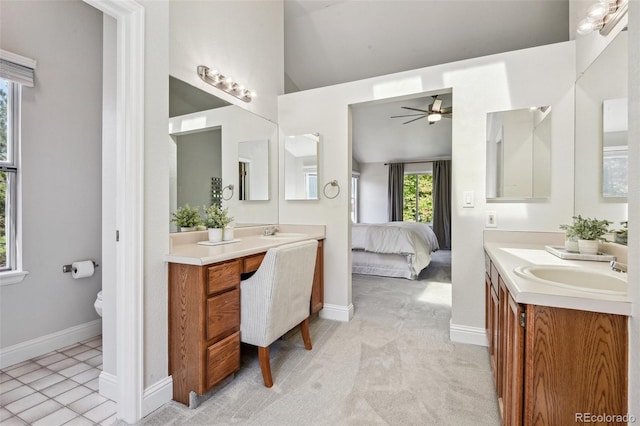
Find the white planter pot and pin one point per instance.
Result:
(588, 246)
(215, 235)
(228, 234)
(571, 246)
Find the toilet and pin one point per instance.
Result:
(98, 303)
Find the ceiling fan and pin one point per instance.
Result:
(433, 113)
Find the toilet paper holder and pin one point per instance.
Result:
(69, 268)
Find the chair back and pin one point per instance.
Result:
(276, 298)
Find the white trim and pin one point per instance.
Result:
(12, 277)
(465, 334)
(42, 345)
(129, 202)
(157, 395)
(17, 59)
(108, 385)
(337, 312)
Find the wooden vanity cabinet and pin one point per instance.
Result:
(552, 364)
(204, 320)
(204, 326)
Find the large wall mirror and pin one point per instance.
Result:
(601, 135)
(212, 141)
(301, 167)
(519, 154)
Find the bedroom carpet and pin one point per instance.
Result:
(393, 364)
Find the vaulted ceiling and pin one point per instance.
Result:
(336, 41)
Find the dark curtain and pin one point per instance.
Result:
(396, 188)
(442, 202)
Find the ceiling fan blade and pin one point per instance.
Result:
(447, 110)
(415, 109)
(410, 121)
(437, 104)
(407, 115)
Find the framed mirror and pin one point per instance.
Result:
(253, 170)
(519, 154)
(301, 167)
(601, 135)
(209, 138)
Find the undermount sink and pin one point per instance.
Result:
(575, 278)
(285, 235)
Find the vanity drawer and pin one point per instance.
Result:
(495, 276)
(223, 359)
(252, 263)
(222, 276)
(223, 314)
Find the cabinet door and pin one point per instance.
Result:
(514, 365)
(493, 338)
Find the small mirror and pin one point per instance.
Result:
(614, 147)
(253, 170)
(519, 154)
(301, 167)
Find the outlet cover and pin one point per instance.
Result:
(491, 219)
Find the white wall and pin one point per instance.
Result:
(61, 166)
(241, 39)
(634, 205)
(538, 76)
(238, 126)
(373, 201)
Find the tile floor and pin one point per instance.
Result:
(58, 388)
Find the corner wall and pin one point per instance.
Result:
(537, 76)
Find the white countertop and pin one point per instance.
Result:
(185, 250)
(507, 256)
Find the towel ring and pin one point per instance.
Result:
(332, 183)
(230, 188)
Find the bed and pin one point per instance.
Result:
(393, 249)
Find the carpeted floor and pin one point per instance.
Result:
(393, 364)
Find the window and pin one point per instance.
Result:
(418, 200)
(354, 196)
(8, 172)
(15, 72)
(311, 185)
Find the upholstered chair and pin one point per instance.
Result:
(276, 299)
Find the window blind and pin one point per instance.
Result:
(17, 68)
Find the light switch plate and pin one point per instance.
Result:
(467, 199)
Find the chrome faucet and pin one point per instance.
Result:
(618, 266)
(270, 230)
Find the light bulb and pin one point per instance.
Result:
(434, 116)
(597, 11)
(585, 26)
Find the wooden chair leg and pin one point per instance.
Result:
(265, 366)
(304, 330)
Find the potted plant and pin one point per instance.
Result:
(571, 239)
(186, 218)
(620, 235)
(217, 220)
(589, 232)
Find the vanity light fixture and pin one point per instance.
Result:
(603, 16)
(226, 84)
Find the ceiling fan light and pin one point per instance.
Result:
(586, 26)
(434, 116)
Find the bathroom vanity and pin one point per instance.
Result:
(204, 304)
(557, 354)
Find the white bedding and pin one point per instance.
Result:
(416, 241)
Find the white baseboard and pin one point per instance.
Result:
(337, 312)
(39, 346)
(108, 385)
(466, 334)
(156, 395)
